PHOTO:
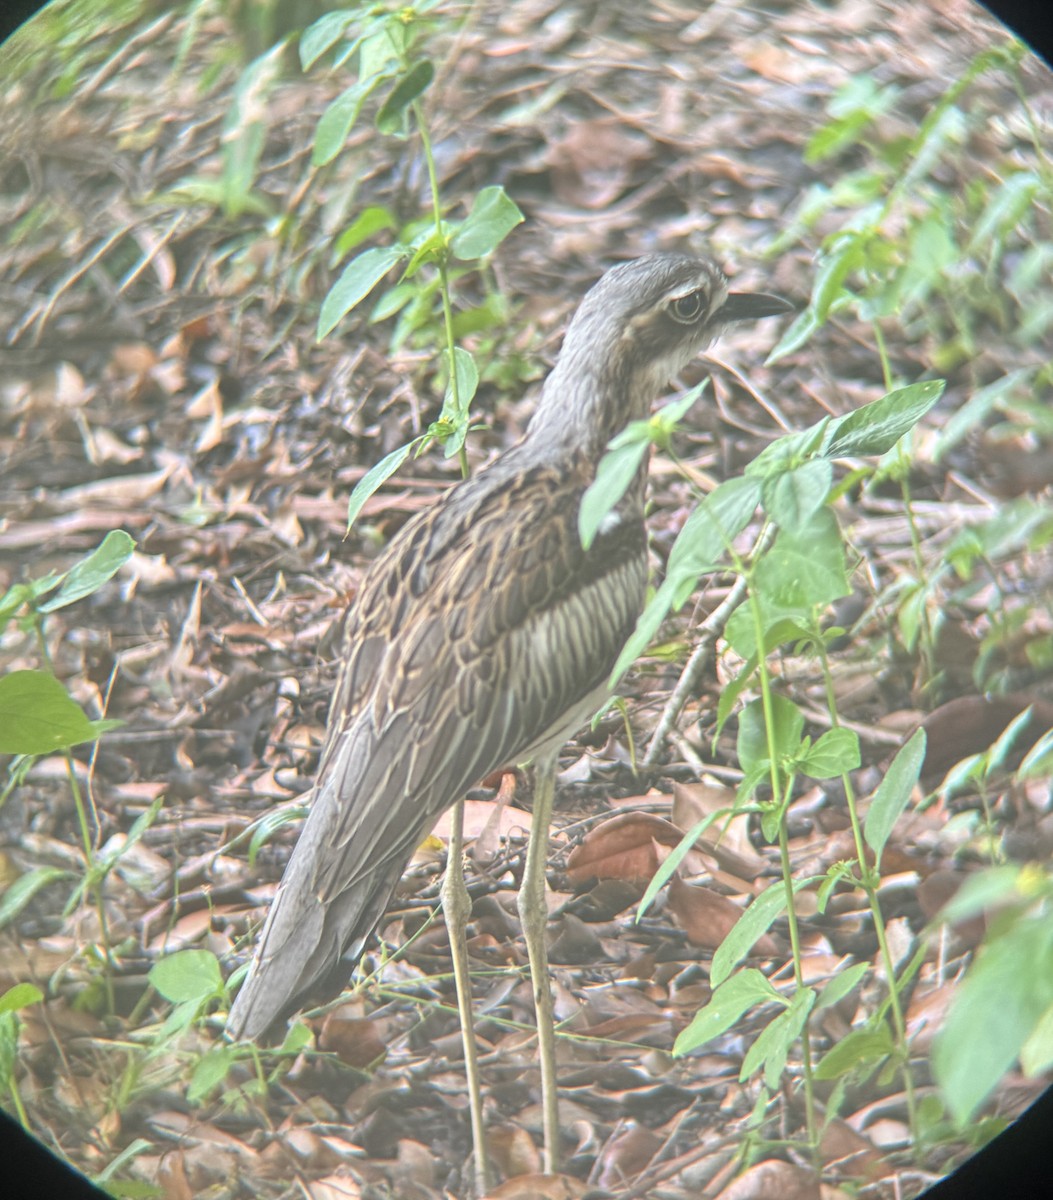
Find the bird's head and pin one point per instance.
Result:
(633, 331)
(653, 315)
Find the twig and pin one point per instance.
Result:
(710, 628)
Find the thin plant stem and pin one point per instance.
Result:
(444, 276)
(869, 882)
(787, 872)
(89, 844)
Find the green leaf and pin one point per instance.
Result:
(1009, 203)
(38, 716)
(123, 1189)
(614, 475)
(1036, 1054)
(431, 248)
(997, 1008)
(778, 631)
(706, 535)
(755, 921)
(835, 873)
(646, 627)
(743, 991)
(841, 984)
(18, 894)
(91, 573)
(376, 476)
(1038, 762)
(266, 826)
(245, 128)
(494, 215)
(676, 856)
(876, 428)
(772, 1047)
(855, 106)
(835, 753)
(834, 268)
(788, 452)
(800, 331)
(298, 1038)
(982, 892)
(800, 574)
(371, 220)
(787, 727)
(22, 995)
(391, 117)
(316, 39)
(466, 374)
(340, 116)
(19, 594)
(793, 498)
(359, 278)
(893, 793)
(456, 416)
(861, 1047)
(975, 411)
(210, 1071)
(187, 976)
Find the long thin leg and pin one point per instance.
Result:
(533, 913)
(457, 908)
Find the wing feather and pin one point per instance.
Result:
(505, 627)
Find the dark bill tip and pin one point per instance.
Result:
(748, 306)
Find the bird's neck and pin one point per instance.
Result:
(584, 403)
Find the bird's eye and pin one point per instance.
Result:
(687, 308)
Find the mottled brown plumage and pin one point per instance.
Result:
(484, 634)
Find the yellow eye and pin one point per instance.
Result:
(686, 309)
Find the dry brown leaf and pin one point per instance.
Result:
(727, 840)
(171, 1176)
(487, 844)
(123, 492)
(186, 932)
(356, 1041)
(105, 447)
(539, 1187)
(416, 1166)
(593, 162)
(622, 847)
(513, 1151)
(341, 1185)
(855, 1155)
(208, 403)
(478, 814)
(971, 724)
(625, 1154)
(132, 358)
(707, 917)
(937, 890)
(927, 1014)
(653, 1029)
(773, 1180)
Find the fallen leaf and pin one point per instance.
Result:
(707, 917)
(622, 847)
(773, 1180)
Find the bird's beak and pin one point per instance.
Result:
(748, 306)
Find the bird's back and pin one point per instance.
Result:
(480, 636)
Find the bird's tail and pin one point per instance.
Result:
(310, 940)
